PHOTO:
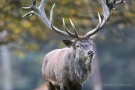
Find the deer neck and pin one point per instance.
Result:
(80, 66)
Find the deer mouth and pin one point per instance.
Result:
(89, 57)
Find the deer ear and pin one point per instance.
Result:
(68, 42)
(92, 38)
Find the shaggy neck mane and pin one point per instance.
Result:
(81, 70)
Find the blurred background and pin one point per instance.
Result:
(25, 41)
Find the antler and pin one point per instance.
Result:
(41, 13)
(107, 9)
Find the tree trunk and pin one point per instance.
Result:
(97, 84)
(6, 67)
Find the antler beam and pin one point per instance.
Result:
(39, 11)
(107, 9)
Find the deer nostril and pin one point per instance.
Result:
(90, 52)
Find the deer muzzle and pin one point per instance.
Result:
(90, 53)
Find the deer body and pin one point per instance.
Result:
(68, 68)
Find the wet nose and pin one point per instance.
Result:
(90, 53)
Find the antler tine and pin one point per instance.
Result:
(34, 2)
(90, 33)
(65, 28)
(51, 20)
(39, 11)
(119, 2)
(54, 28)
(107, 9)
(76, 33)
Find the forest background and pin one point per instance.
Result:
(27, 40)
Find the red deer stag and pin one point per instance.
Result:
(68, 68)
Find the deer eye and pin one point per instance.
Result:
(77, 46)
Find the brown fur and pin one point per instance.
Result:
(68, 68)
